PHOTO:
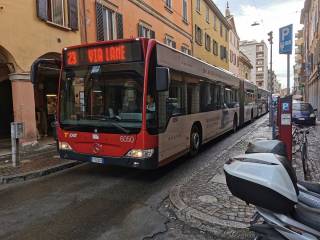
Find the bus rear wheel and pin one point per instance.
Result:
(195, 141)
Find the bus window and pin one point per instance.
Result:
(217, 97)
(206, 99)
(176, 100)
(193, 98)
(152, 97)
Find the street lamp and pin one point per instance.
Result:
(255, 24)
(271, 107)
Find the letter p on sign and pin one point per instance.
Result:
(284, 33)
(285, 40)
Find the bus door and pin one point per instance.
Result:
(172, 140)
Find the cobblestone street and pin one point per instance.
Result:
(205, 202)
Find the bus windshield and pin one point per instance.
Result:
(106, 98)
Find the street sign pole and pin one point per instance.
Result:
(288, 74)
(271, 107)
(285, 47)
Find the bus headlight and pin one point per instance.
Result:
(140, 153)
(312, 115)
(65, 146)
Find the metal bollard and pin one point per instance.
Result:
(17, 132)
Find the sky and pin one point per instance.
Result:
(271, 15)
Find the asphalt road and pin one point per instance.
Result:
(99, 202)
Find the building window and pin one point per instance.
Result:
(207, 42)
(185, 10)
(231, 56)
(259, 69)
(185, 50)
(226, 34)
(223, 53)
(109, 23)
(215, 47)
(144, 31)
(169, 4)
(207, 13)
(221, 30)
(198, 5)
(215, 22)
(260, 55)
(259, 76)
(260, 62)
(168, 40)
(198, 35)
(110, 26)
(59, 12)
(259, 48)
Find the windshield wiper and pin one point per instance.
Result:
(112, 121)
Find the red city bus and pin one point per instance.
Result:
(141, 104)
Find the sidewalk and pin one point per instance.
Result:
(40, 161)
(205, 201)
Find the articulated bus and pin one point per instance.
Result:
(141, 104)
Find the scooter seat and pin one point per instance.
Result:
(267, 146)
(313, 187)
(307, 216)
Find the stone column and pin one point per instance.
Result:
(24, 105)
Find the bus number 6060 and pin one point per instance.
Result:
(127, 139)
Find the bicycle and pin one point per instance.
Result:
(304, 149)
(296, 139)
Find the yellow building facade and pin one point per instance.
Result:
(210, 34)
(29, 30)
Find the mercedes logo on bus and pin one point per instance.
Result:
(96, 148)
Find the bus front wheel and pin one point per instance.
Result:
(195, 141)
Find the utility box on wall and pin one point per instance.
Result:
(17, 130)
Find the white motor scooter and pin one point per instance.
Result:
(268, 181)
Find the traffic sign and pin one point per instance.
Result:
(285, 39)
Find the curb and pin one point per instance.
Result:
(36, 174)
(184, 211)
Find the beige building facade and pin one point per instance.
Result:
(31, 30)
(311, 51)
(245, 67)
(167, 21)
(210, 34)
(234, 40)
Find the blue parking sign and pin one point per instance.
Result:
(285, 39)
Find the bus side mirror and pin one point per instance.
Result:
(315, 110)
(53, 63)
(162, 79)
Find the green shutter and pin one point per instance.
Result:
(42, 9)
(119, 20)
(99, 17)
(73, 14)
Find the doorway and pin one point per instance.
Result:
(6, 106)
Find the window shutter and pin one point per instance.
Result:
(119, 19)
(42, 9)
(152, 34)
(99, 15)
(140, 29)
(73, 14)
(174, 44)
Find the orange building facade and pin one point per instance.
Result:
(168, 21)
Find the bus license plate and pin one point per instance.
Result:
(96, 160)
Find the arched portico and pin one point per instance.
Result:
(45, 94)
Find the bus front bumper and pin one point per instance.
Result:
(147, 163)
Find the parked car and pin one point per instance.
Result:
(303, 113)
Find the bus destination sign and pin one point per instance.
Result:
(103, 54)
